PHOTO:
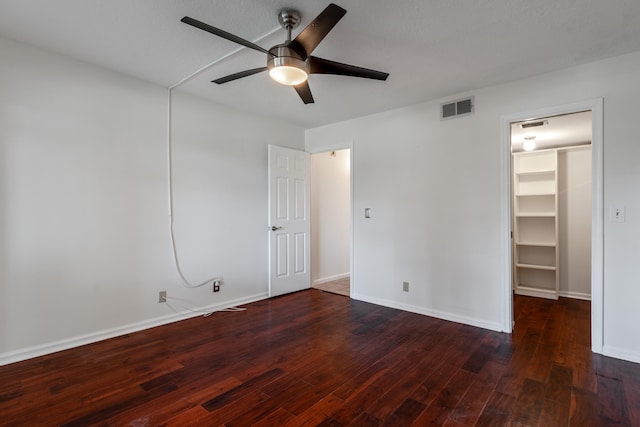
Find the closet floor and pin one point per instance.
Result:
(340, 286)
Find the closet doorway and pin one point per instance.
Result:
(597, 209)
(551, 204)
(331, 221)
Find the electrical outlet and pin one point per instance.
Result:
(217, 283)
(162, 297)
(405, 286)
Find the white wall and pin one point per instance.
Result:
(84, 245)
(330, 216)
(84, 237)
(574, 222)
(435, 190)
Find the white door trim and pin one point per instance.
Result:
(597, 215)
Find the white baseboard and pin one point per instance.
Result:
(621, 353)
(543, 293)
(331, 278)
(41, 350)
(575, 295)
(465, 320)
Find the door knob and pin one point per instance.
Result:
(274, 228)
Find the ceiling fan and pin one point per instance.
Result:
(290, 63)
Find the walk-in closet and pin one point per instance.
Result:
(551, 206)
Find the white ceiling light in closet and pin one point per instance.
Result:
(529, 143)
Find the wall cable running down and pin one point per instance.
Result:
(204, 313)
(170, 159)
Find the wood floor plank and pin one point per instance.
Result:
(428, 390)
(364, 420)
(363, 379)
(314, 358)
(398, 382)
(613, 409)
(437, 412)
(553, 414)
(317, 413)
(497, 411)
(193, 417)
(559, 384)
(298, 397)
(405, 414)
(584, 408)
(632, 395)
(357, 404)
(469, 408)
(528, 405)
(168, 405)
(556, 404)
(279, 417)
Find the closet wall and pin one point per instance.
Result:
(574, 221)
(330, 216)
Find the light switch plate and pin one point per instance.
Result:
(617, 213)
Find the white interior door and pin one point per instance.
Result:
(289, 222)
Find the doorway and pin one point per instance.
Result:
(597, 213)
(551, 206)
(331, 221)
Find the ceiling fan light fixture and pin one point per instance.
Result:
(288, 75)
(286, 68)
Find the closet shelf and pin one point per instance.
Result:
(536, 214)
(542, 244)
(537, 172)
(537, 267)
(543, 193)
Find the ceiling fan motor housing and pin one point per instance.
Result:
(283, 56)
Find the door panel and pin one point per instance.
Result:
(289, 222)
(300, 253)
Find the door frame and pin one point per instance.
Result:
(335, 147)
(597, 210)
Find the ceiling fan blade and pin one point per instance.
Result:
(221, 33)
(313, 33)
(239, 75)
(304, 91)
(325, 66)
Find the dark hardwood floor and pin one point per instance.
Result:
(315, 358)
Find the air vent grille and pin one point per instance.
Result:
(534, 124)
(461, 107)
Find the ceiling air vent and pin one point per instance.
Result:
(534, 124)
(461, 107)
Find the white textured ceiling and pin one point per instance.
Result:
(431, 48)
